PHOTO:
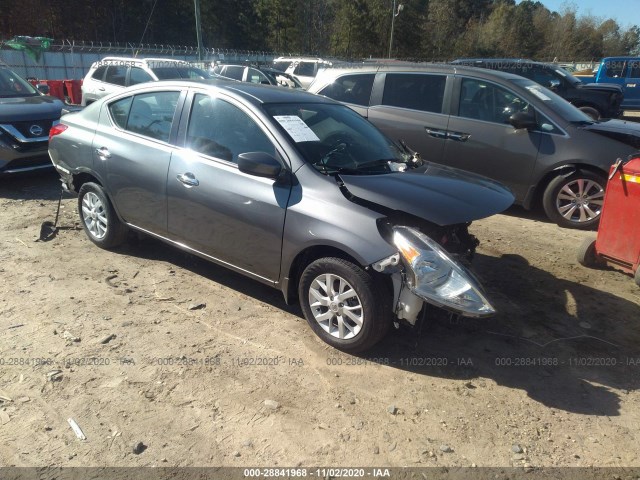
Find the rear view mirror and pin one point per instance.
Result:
(260, 164)
(521, 120)
(554, 84)
(43, 88)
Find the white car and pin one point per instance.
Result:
(112, 74)
(303, 69)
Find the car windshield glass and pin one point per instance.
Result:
(334, 138)
(12, 85)
(168, 73)
(556, 103)
(566, 74)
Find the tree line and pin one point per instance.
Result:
(351, 29)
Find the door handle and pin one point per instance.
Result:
(436, 133)
(101, 89)
(188, 179)
(460, 137)
(103, 153)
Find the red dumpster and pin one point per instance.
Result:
(618, 240)
(56, 88)
(74, 90)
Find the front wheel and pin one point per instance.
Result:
(575, 201)
(99, 220)
(344, 305)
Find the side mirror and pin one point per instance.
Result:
(260, 164)
(523, 120)
(554, 84)
(43, 88)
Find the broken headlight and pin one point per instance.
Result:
(436, 277)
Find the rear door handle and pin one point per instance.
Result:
(103, 153)
(460, 137)
(188, 179)
(101, 89)
(436, 133)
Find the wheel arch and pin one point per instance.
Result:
(563, 170)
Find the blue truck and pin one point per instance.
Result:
(623, 71)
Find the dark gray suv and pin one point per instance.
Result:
(288, 188)
(26, 115)
(496, 124)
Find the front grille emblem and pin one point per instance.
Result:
(35, 130)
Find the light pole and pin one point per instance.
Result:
(394, 14)
(196, 4)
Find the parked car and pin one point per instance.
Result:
(303, 69)
(251, 74)
(496, 124)
(112, 74)
(293, 190)
(596, 100)
(26, 115)
(622, 71)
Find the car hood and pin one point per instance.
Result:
(603, 87)
(40, 107)
(438, 194)
(621, 130)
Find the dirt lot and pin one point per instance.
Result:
(552, 380)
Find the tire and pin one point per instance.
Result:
(587, 253)
(366, 299)
(99, 219)
(575, 201)
(592, 112)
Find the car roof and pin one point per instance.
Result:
(492, 60)
(251, 92)
(142, 60)
(415, 68)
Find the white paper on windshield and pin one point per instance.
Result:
(299, 131)
(538, 93)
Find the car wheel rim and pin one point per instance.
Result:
(94, 216)
(336, 306)
(580, 200)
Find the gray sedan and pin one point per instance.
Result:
(288, 188)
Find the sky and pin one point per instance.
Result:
(625, 12)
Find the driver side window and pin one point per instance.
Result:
(481, 100)
(222, 130)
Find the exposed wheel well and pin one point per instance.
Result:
(82, 178)
(303, 259)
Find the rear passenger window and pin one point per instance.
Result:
(306, 69)
(221, 130)
(415, 91)
(138, 75)
(151, 114)
(120, 111)
(234, 72)
(351, 89)
(634, 69)
(116, 75)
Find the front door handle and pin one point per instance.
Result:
(103, 153)
(188, 179)
(460, 137)
(101, 89)
(436, 133)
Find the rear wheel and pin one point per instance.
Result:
(344, 305)
(575, 201)
(99, 220)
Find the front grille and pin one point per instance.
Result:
(25, 127)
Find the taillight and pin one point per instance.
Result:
(57, 130)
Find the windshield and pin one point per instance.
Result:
(553, 101)
(334, 138)
(566, 74)
(12, 85)
(169, 73)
